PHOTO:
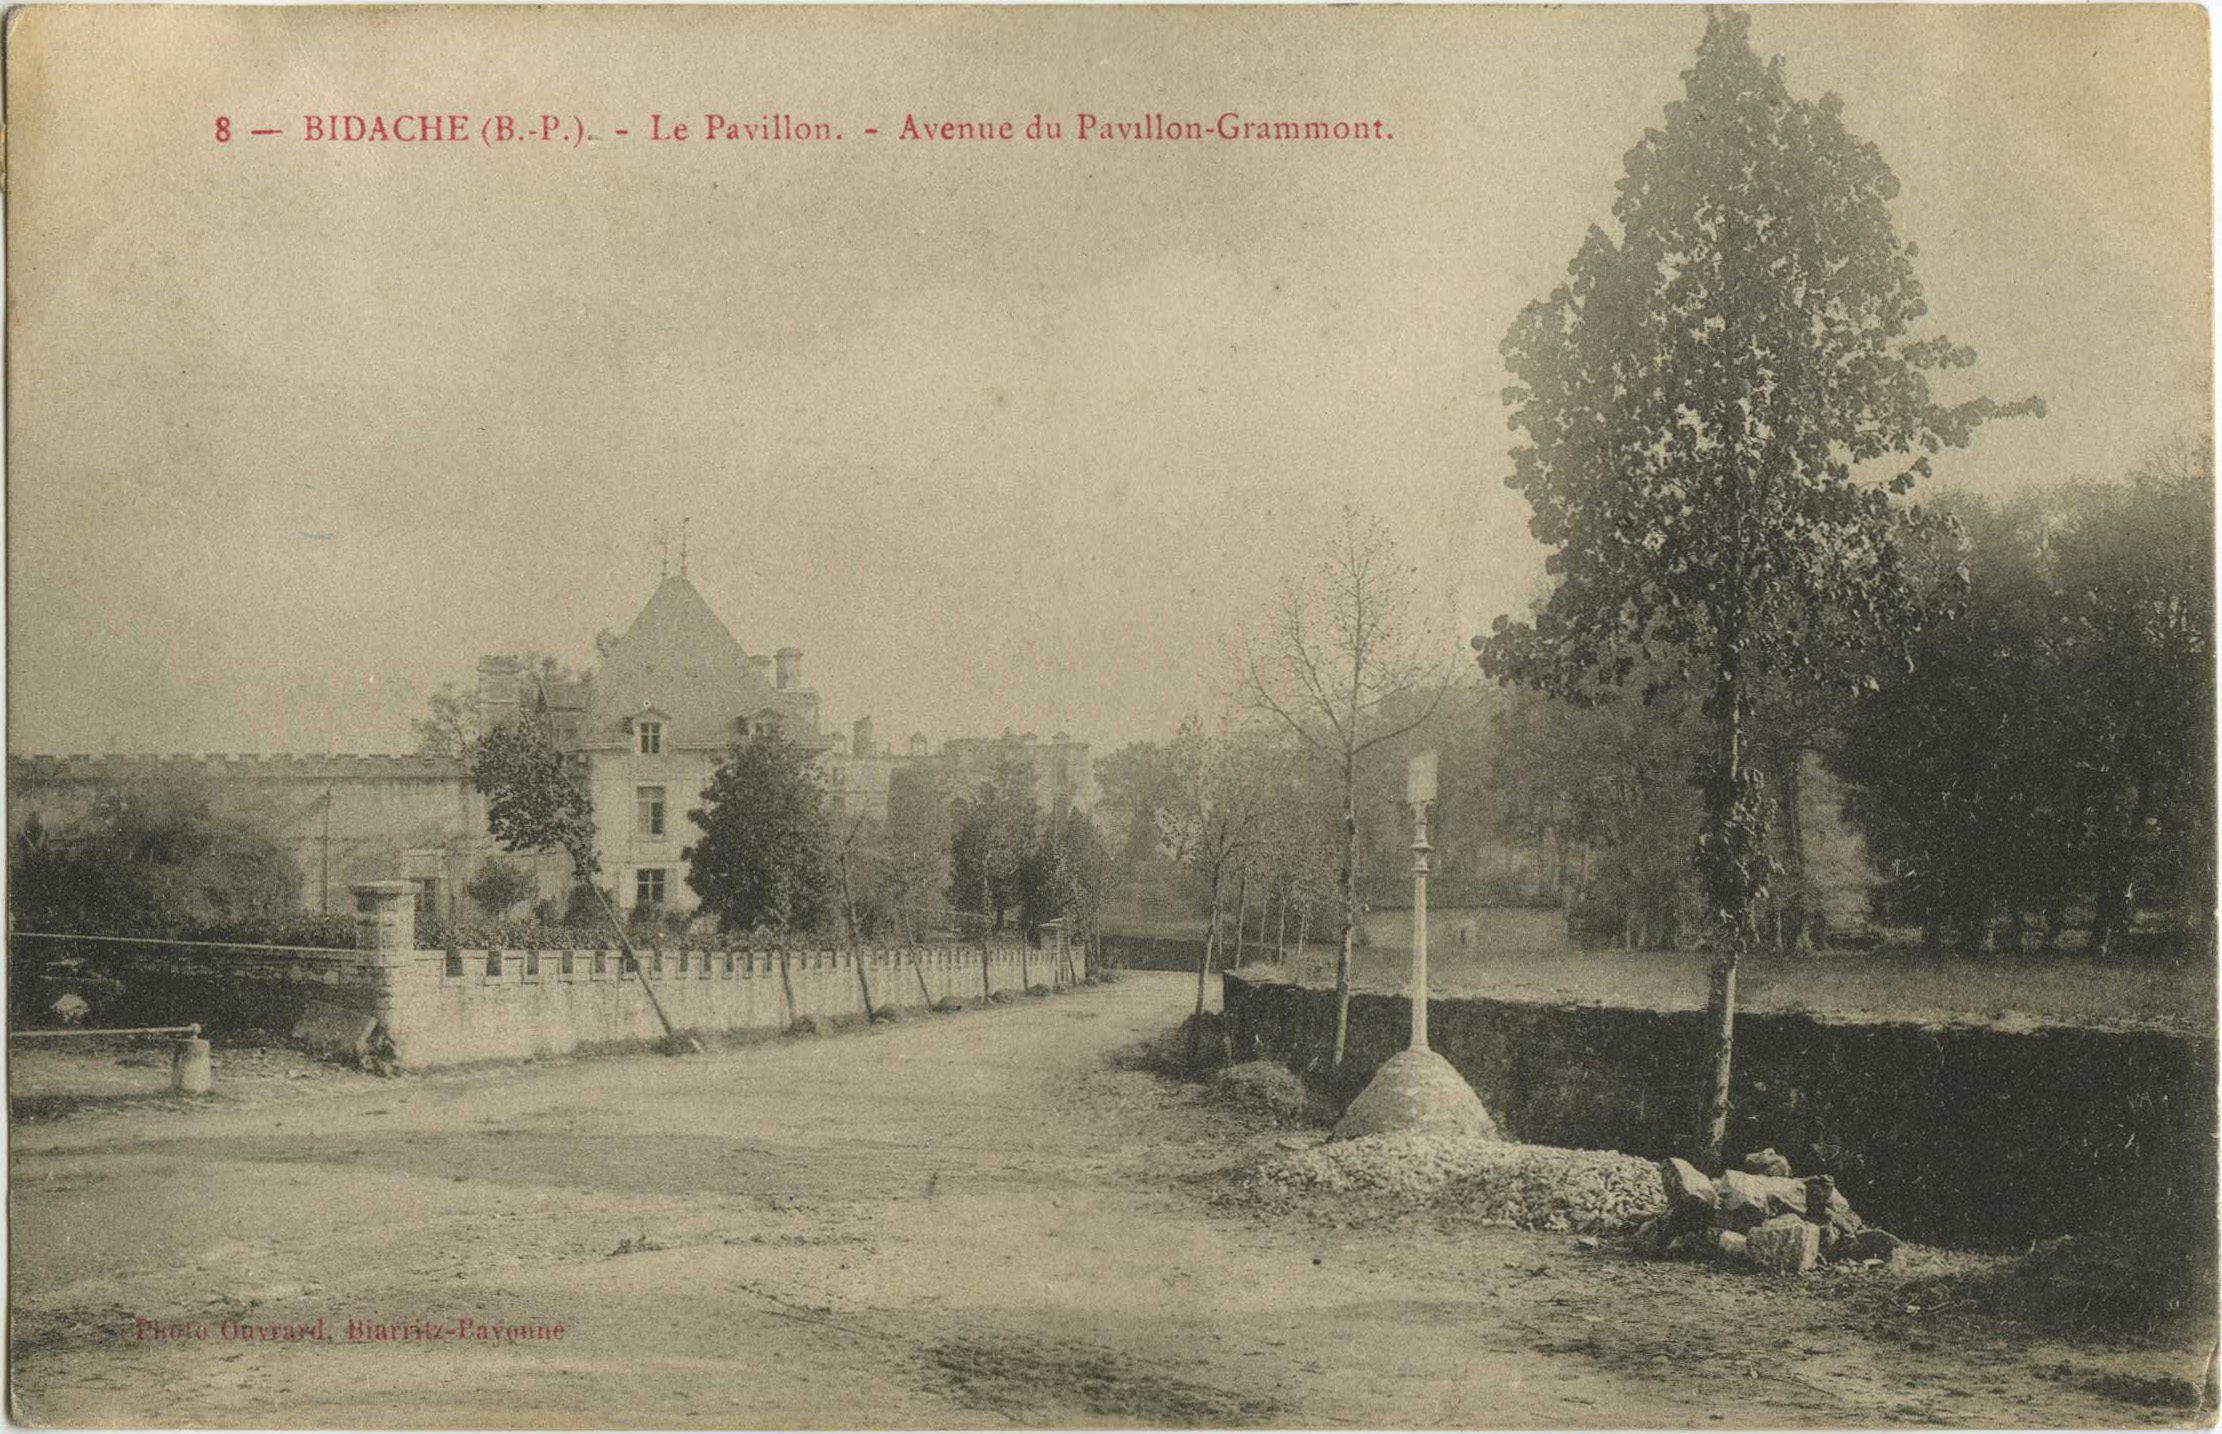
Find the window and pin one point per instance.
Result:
(651, 738)
(648, 802)
(648, 886)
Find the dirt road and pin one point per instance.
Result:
(972, 1220)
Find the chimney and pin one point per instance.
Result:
(763, 666)
(790, 668)
(497, 691)
(918, 744)
(860, 742)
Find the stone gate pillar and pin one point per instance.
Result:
(386, 915)
(386, 930)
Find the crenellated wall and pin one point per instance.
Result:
(449, 1007)
(443, 1008)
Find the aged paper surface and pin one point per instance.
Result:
(976, 371)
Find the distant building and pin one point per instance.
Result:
(1064, 775)
(646, 731)
(649, 728)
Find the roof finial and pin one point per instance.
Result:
(683, 545)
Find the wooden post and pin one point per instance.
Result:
(638, 970)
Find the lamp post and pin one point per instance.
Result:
(1419, 793)
(1416, 1089)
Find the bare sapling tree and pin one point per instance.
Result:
(1333, 662)
(1220, 807)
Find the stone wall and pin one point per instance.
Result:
(450, 1007)
(1966, 1135)
(444, 1008)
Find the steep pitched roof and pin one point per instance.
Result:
(678, 658)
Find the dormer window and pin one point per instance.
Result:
(651, 736)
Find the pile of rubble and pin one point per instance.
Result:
(1492, 1184)
(1762, 1215)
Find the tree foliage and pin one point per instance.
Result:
(1134, 781)
(449, 726)
(1705, 400)
(766, 853)
(151, 857)
(2053, 743)
(911, 856)
(535, 801)
(995, 830)
(1069, 875)
(499, 885)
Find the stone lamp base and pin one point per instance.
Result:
(1416, 1091)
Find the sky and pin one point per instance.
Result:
(1000, 434)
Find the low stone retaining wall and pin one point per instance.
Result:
(1963, 1135)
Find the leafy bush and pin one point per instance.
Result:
(500, 885)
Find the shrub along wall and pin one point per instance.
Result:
(1152, 953)
(1960, 1135)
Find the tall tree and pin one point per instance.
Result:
(913, 856)
(1133, 780)
(1720, 406)
(766, 857)
(2135, 572)
(1332, 664)
(449, 726)
(994, 837)
(1070, 876)
(535, 799)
